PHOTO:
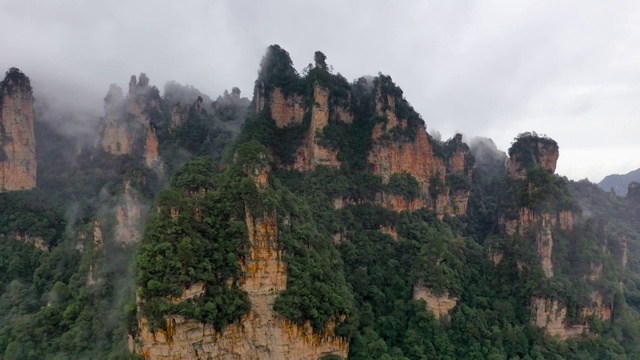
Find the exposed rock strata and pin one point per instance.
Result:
(286, 111)
(543, 153)
(260, 334)
(439, 305)
(17, 139)
(129, 217)
(127, 126)
(551, 315)
(36, 241)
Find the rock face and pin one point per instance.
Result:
(439, 305)
(129, 217)
(540, 226)
(398, 138)
(533, 151)
(262, 333)
(127, 126)
(418, 158)
(286, 111)
(389, 157)
(312, 154)
(290, 111)
(17, 139)
(37, 241)
(551, 315)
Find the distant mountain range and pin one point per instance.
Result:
(618, 182)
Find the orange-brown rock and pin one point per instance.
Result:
(259, 97)
(400, 203)
(98, 239)
(452, 205)
(151, 155)
(624, 258)
(551, 315)
(543, 225)
(17, 139)
(312, 154)
(544, 240)
(117, 138)
(390, 157)
(496, 256)
(416, 158)
(443, 204)
(439, 305)
(129, 217)
(598, 308)
(544, 153)
(343, 115)
(177, 118)
(566, 220)
(260, 334)
(596, 272)
(527, 219)
(288, 110)
(340, 203)
(36, 241)
(460, 202)
(191, 292)
(459, 161)
(389, 230)
(126, 128)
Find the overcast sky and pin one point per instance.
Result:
(568, 69)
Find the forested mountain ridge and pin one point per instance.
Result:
(67, 245)
(334, 226)
(619, 182)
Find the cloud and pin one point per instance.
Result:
(490, 68)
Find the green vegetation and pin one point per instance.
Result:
(528, 147)
(405, 185)
(349, 261)
(14, 78)
(544, 192)
(193, 238)
(76, 298)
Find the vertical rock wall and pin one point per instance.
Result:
(127, 126)
(17, 139)
(260, 334)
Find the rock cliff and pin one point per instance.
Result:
(260, 334)
(532, 151)
(311, 153)
(539, 223)
(439, 305)
(323, 119)
(126, 127)
(17, 139)
(130, 214)
(418, 155)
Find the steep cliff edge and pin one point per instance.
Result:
(261, 333)
(17, 140)
(126, 128)
(320, 119)
(531, 150)
(545, 214)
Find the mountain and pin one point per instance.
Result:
(619, 183)
(318, 220)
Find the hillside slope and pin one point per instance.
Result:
(619, 182)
